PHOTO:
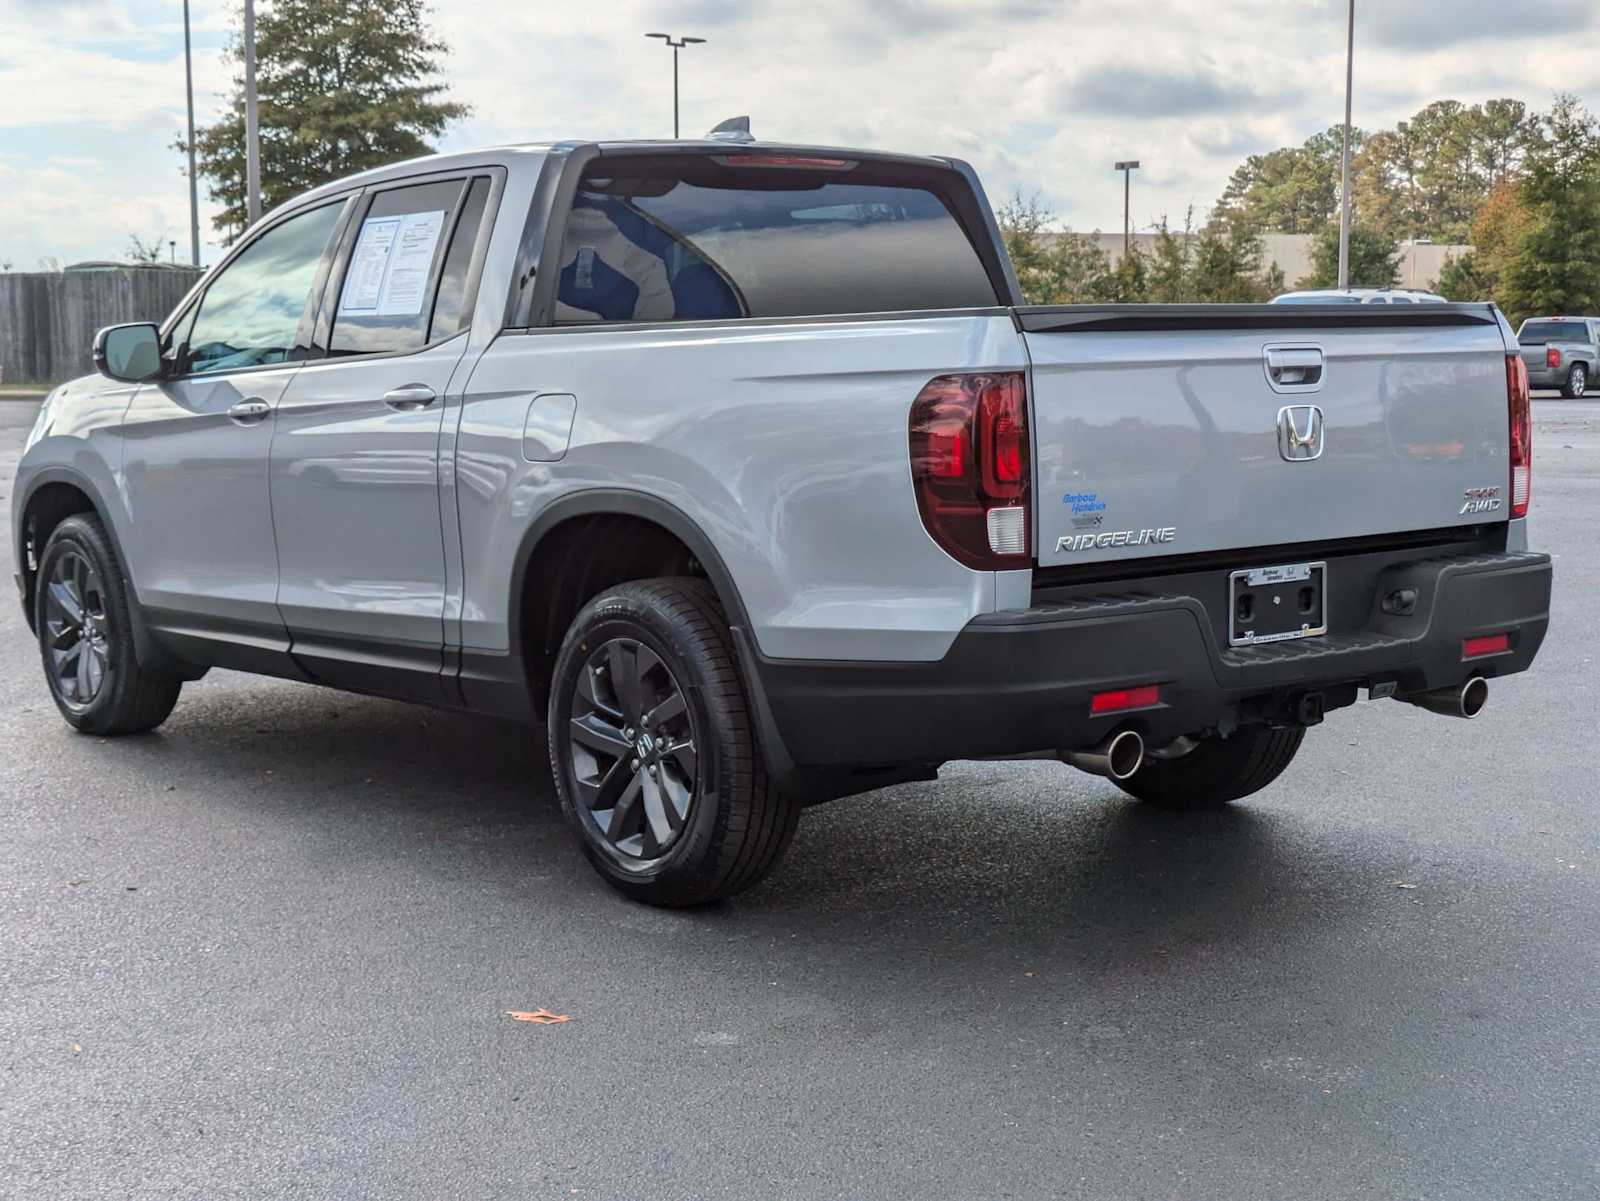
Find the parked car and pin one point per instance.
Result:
(1561, 352)
(1359, 296)
(744, 469)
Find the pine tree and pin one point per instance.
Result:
(342, 86)
(1374, 258)
(1556, 265)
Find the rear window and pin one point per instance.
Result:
(695, 239)
(1537, 333)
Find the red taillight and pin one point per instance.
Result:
(1552, 358)
(1521, 405)
(969, 463)
(1482, 648)
(1125, 698)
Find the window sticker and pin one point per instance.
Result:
(388, 275)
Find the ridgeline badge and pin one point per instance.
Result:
(1082, 542)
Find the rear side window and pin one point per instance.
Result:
(701, 240)
(1537, 333)
(386, 299)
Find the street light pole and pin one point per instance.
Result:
(677, 45)
(252, 133)
(194, 187)
(1127, 168)
(1344, 186)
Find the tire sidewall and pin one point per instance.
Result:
(620, 615)
(79, 535)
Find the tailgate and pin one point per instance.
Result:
(1170, 430)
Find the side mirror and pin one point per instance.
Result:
(130, 353)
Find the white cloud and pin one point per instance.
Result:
(1041, 95)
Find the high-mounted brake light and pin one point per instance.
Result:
(802, 161)
(1552, 358)
(969, 465)
(1520, 403)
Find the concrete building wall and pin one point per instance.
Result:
(1420, 263)
(48, 319)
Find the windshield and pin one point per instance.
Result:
(1537, 333)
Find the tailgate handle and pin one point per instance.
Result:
(1294, 366)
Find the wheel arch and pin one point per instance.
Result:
(55, 494)
(670, 542)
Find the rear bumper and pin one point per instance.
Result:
(1022, 681)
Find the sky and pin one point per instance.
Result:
(1042, 96)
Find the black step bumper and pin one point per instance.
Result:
(1022, 681)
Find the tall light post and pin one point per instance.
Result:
(677, 44)
(194, 187)
(252, 133)
(1127, 167)
(1344, 170)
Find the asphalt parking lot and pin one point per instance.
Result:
(268, 952)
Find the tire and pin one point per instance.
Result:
(86, 636)
(1577, 382)
(1218, 771)
(676, 810)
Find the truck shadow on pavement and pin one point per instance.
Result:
(997, 869)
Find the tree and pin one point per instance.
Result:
(1555, 267)
(1053, 266)
(147, 253)
(1228, 265)
(1292, 190)
(1374, 259)
(342, 85)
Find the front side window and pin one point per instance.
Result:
(699, 239)
(252, 310)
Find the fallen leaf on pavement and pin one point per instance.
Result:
(541, 1017)
(1403, 884)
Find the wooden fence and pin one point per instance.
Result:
(48, 319)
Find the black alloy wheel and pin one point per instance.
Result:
(632, 749)
(77, 636)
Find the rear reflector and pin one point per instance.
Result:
(1125, 698)
(1520, 402)
(1482, 648)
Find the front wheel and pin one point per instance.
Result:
(1577, 382)
(652, 749)
(86, 636)
(1217, 771)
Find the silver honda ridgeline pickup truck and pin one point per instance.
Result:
(744, 468)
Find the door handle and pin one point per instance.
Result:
(1294, 366)
(249, 412)
(411, 396)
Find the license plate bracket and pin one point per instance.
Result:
(1276, 604)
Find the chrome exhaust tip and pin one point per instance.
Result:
(1117, 758)
(1466, 701)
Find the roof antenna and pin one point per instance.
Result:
(734, 129)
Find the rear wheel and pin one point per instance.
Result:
(1217, 771)
(1577, 382)
(652, 749)
(86, 640)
